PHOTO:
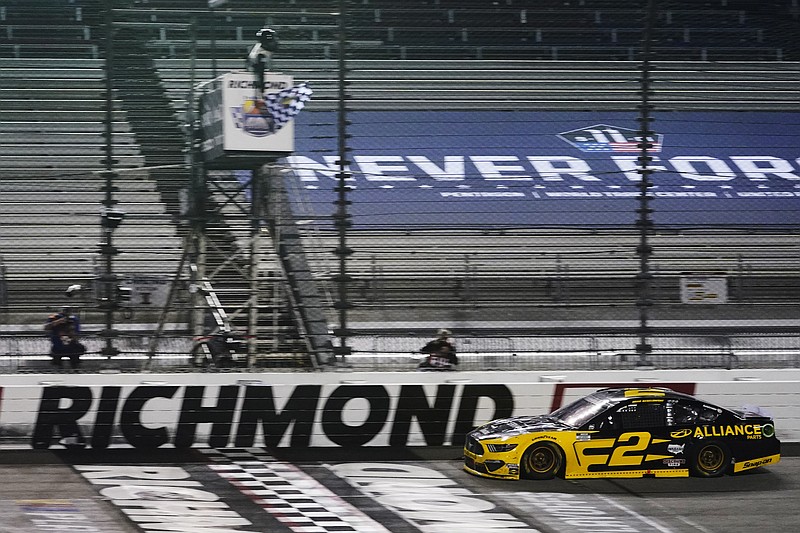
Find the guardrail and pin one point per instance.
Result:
(26, 353)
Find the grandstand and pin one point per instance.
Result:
(425, 55)
(53, 146)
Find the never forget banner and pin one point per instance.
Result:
(492, 168)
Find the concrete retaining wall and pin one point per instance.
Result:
(347, 409)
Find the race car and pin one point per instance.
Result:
(624, 432)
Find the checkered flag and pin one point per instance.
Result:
(285, 104)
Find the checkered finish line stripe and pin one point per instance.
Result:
(287, 493)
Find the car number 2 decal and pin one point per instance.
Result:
(626, 455)
(628, 450)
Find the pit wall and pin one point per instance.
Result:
(344, 409)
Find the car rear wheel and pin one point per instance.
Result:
(542, 461)
(710, 459)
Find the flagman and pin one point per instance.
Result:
(259, 57)
(267, 113)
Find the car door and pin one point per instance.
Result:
(671, 430)
(620, 439)
(629, 437)
(685, 418)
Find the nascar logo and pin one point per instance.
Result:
(605, 138)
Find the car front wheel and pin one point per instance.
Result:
(542, 461)
(710, 459)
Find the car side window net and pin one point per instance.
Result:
(708, 414)
(681, 414)
(640, 416)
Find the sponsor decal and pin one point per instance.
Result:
(57, 515)
(760, 462)
(427, 499)
(164, 498)
(149, 417)
(680, 434)
(673, 462)
(755, 463)
(676, 448)
(584, 513)
(749, 431)
(605, 138)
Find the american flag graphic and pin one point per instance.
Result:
(633, 146)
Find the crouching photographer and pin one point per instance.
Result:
(64, 328)
(441, 353)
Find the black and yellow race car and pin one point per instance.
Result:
(624, 432)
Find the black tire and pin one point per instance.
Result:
(709, 459)
(542, 460)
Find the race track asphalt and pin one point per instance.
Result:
(373, 490)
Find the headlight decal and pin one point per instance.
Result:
(499, 448)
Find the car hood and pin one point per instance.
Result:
(504, 427)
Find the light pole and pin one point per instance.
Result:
(341, 217)
(644, 222)
(110, 217)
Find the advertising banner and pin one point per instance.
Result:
(239, 123)
(703, 290)
(489, 168)
(247, 126)
(300, 414)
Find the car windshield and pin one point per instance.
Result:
(581, 411)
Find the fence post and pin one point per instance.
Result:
(3, 284)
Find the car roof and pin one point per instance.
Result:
(618, 394)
